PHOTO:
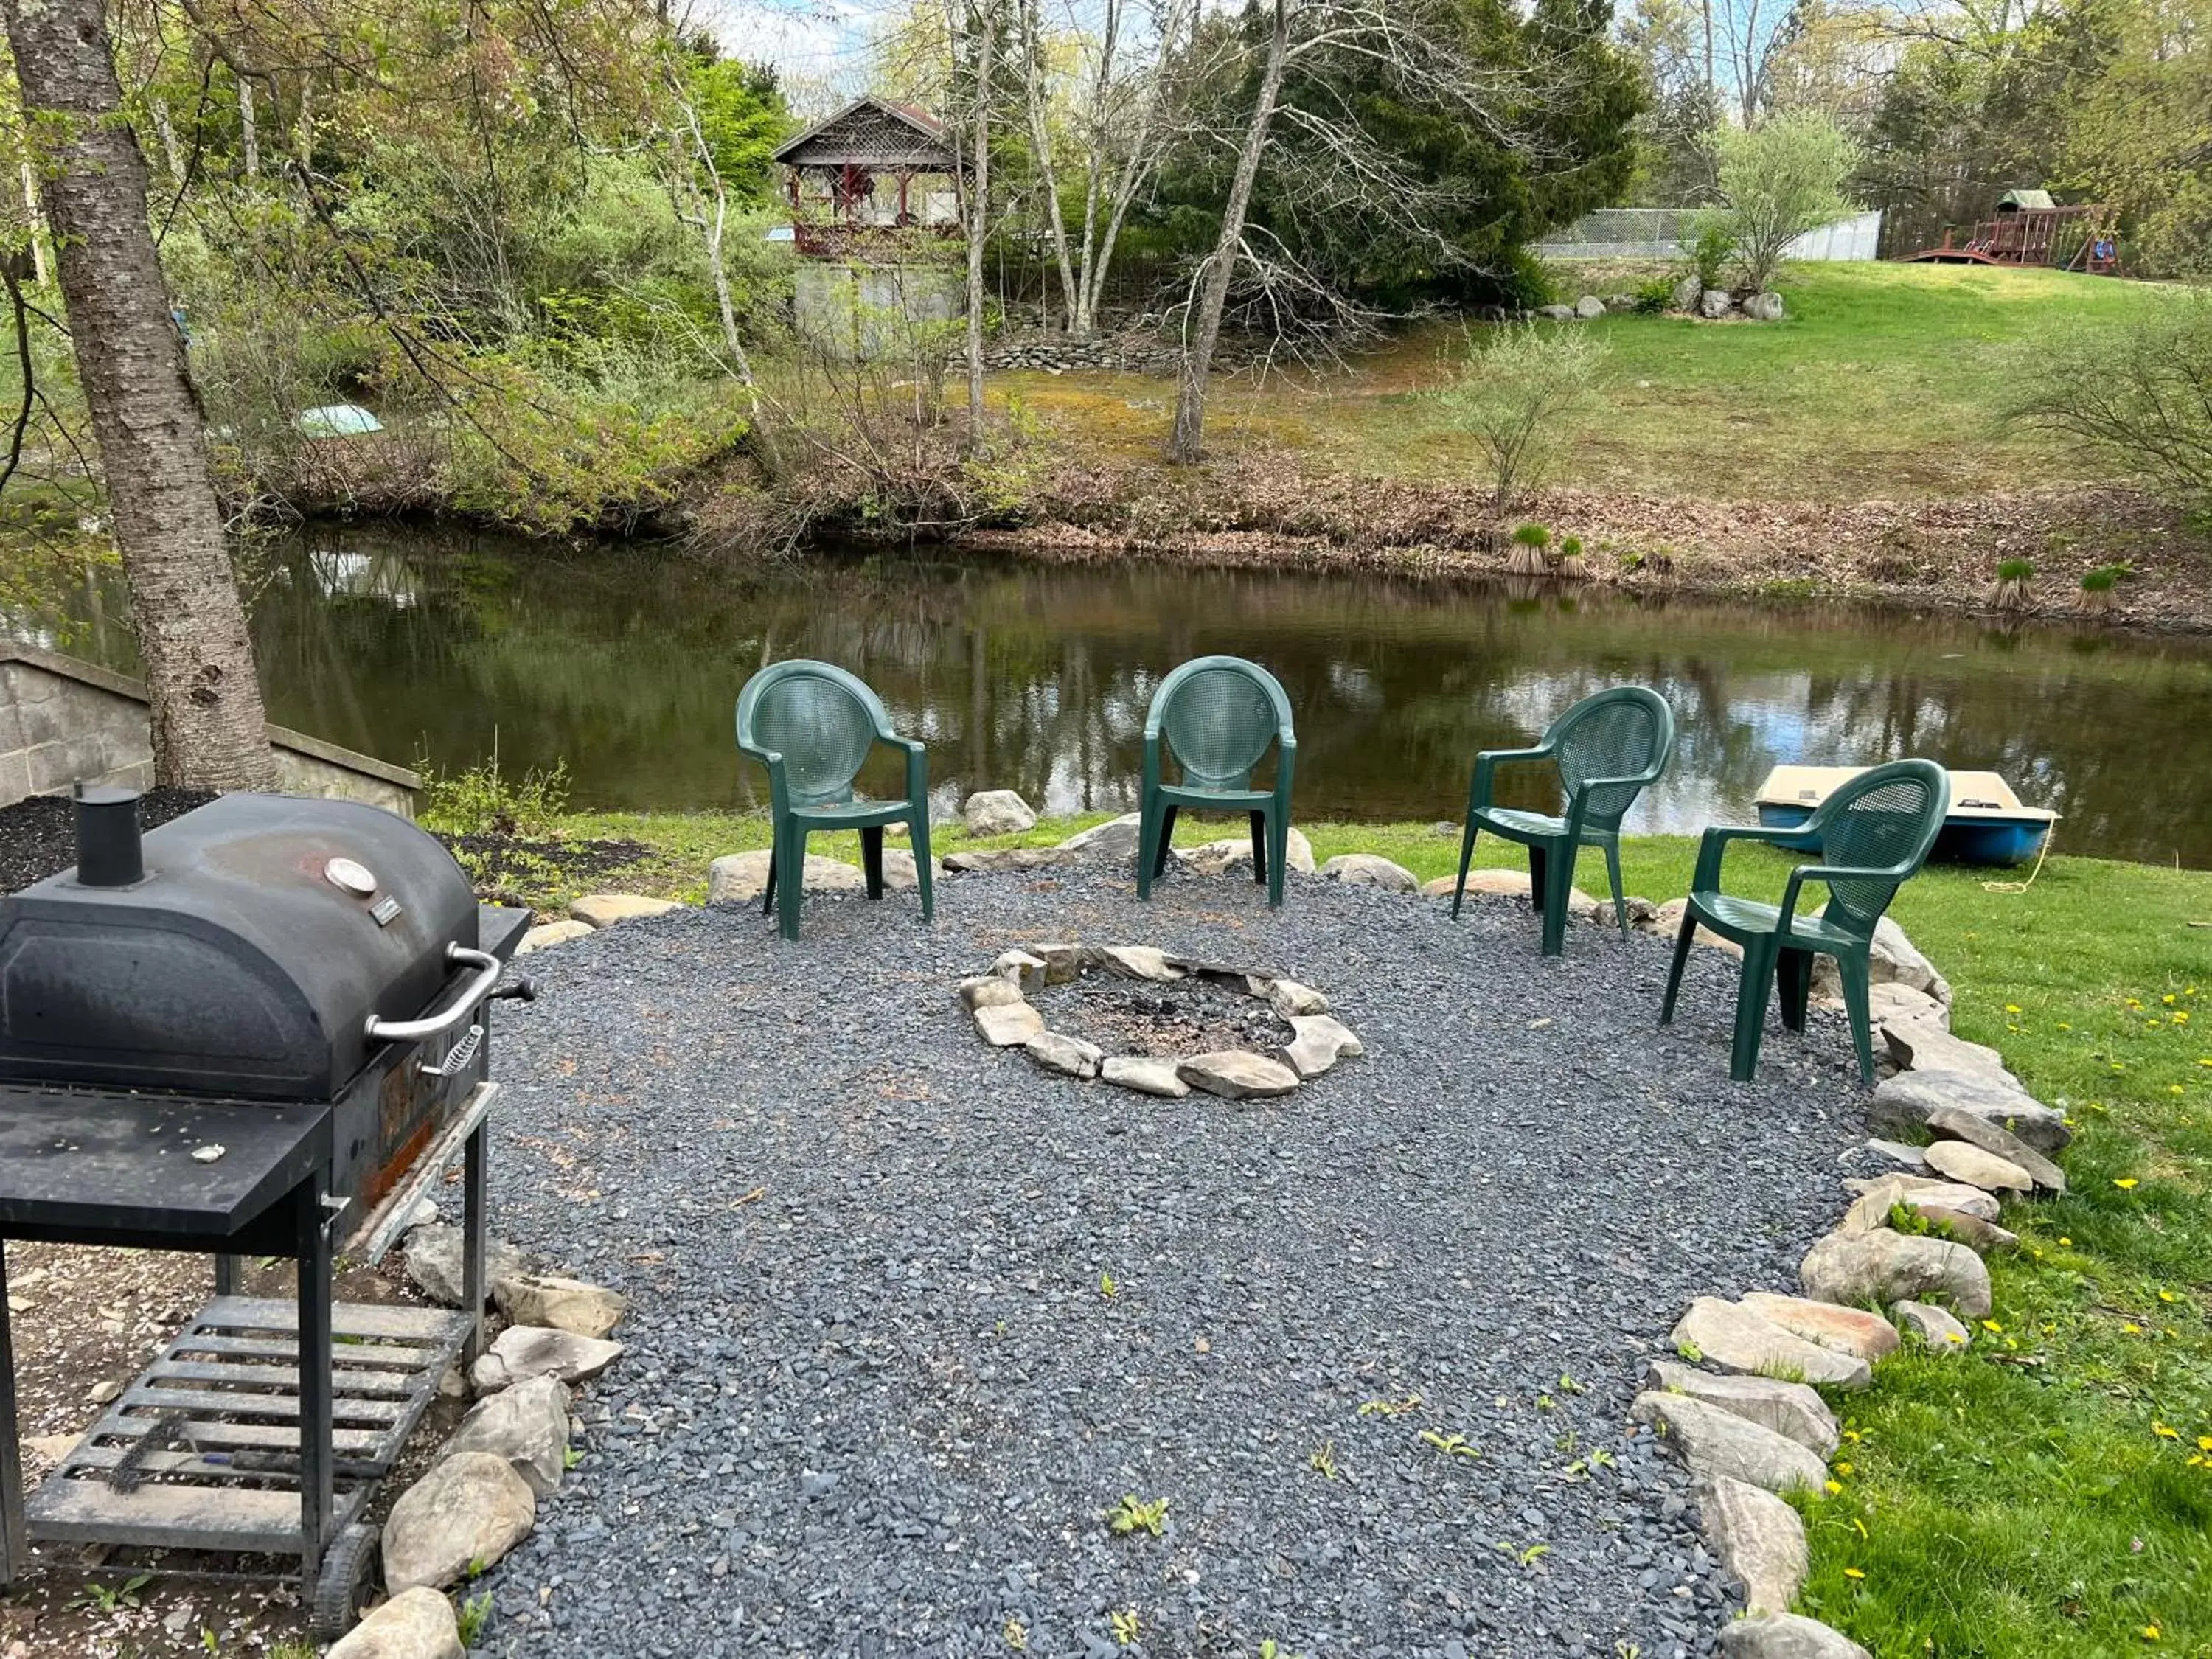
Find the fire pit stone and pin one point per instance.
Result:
(1239, 1058)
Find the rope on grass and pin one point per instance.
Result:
(2041, 852)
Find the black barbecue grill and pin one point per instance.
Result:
(259, 1029)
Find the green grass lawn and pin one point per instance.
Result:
(2048, 1496)
(1884, 381)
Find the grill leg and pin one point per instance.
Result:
(476, 1226)
(13, 1547)
(313, 1249)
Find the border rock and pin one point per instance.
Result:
(1369, 870)
(1901, 1105)
(1758, 1539)
(1847, 1330)
(527, 1424)
(1070, 1056)
(1951, 1123)
(546, 935)
(1934, 1326)
(997, 812)
(1966, 1163)
(1737, 1339)
(415, 1624)
(1715, 1443)
(1008, 1026)
(563, 1305)
(605, 909)
(741, 878)
(522, 1352)
(1886, 1267)
(1787, 1408)
(464, 1514)
(1786, 1635)
(1145, 1077)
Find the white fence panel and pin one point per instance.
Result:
(1661, 233)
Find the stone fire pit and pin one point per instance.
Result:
(1181, 1023)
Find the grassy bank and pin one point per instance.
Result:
(2049, 1495)
(1883, 380)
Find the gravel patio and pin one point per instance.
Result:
(878, 1399)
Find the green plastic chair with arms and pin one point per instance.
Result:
(1874, 834)
(812, 725)
(1216, 716)
(1607, 748)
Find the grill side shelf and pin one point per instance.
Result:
(230, 1407)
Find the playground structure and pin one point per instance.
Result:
(2032, 229)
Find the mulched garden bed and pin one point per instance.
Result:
(37, 835)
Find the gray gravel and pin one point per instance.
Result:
(877, 1404)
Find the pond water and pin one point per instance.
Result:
(625, 665)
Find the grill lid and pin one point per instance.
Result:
(248, 960)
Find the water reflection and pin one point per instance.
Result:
(626, 665)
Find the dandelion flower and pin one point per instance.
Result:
(1843, 1468)
(2125, 1183)
(1991, 1325)
(2150, 1632)
(2204, 1443)
(1834, 1487)
(2012, 1007)
(2167, 1296)
(2062, 1239)
(1853, 1572)
(2131, 1329)
(2162, 1431)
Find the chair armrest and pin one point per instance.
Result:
(1488, 760)
(1579, 797)
(917, 769)
(778, 792)
(1714, 843)
(1829, 874)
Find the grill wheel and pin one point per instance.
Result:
(344, 1584)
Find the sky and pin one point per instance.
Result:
(820, 46)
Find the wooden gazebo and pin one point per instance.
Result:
(870, 177)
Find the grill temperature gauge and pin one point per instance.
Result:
(350, 876)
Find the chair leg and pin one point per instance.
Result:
(1149, 841)
(1559, 878)
(791, 893)
(871, 858)
(918, 838)
(1612, 875)
(1537, 861)
(1793, 985)
(1259, 828)
(1751, 994)
(1466, 858)
(768, 891)
(1279, 834)
(1167, 840)
(1853, 972)
(1688, 933)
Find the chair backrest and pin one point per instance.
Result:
(1887, 818)
(819, 718)
(1218, 714)
(1624, 732)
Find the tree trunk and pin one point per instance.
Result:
(1187, 441)
(1033, 95)
(979, 219)
(209, 727)
(249, 135)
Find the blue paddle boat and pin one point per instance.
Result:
(1987, 824)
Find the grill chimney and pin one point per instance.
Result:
(108, 850)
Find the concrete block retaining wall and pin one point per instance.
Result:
(62, 720)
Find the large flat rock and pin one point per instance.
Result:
(1238, 1074)
(1968, 1164)
(741, 878)
(1787, 1408)
(1853, 1331)
(1901, 1105)
(1715, 1443)
(1737, 1339)
(1786, 1635)
(464, 1514)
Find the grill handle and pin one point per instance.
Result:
(488, 969)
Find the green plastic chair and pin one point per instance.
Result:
(1873, 835)
(1216, 716)
(811, 724)
(1607, 748)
